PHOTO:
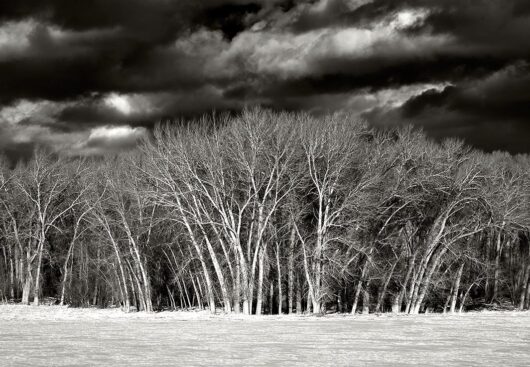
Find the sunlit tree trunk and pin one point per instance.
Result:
(427, 281)
(366, 298)
(259, 301)
(237, 288)
(290, 271)
(497, 270)
(398, 300)
(279, 267)
(524, 287)
(271, 298)
(27, 284)
(359, 286)
(456, 288)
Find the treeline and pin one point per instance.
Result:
(270, 212)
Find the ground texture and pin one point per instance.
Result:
(59, 336)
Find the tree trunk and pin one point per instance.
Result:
(356, 297)
(383, 291)
(396, 304)
(10, 269)
(271, 298)
(172, 303)
(185, 288)
(259, 302)
(11, 279)
(448, 299)
(237, 288)
(123, 291)
(464, 297)
(195, 244)
(298, 297)
(206, 273)
(366, 298)
(26, 290)
(311, 294)
(256, 258)
(496, 274)
(527, 297)
(456, 288)
(134, 287)
(96, 283)
(219, 273)
(181, 294)
(204, 297)
(65, 269)
(308, 303)
(36, 289)
(427, 280)
(433, 240)
(209, 291)
(290, 271)
(247, 292)
(196, 292)
(410, 293)
(359, 287)
(398, 301)
(278, 265)
(524, 285)
(28, 280)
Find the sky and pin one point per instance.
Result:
(94, 76)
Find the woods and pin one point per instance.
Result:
(270, 213)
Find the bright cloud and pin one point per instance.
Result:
(296, 55)
(119, 102)
(42, 112)
(108, 139)
(408, 18)
(18, 112)
(115, 133)
(14, 37)
(128, 104)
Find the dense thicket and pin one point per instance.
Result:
(270, 212)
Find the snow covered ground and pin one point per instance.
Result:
(60, 336)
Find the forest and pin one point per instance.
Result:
(270, 212)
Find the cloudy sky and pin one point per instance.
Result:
(92, 76)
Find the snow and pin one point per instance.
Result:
(61, 336)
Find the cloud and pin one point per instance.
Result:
(358, 103)
(14, 37)
(490, 113)
(26, 125)
(119, 102)
(69, 67)
(321, 51)
(20, 140)
(108, 139)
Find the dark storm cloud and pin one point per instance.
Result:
(148, 108)
(145, 20)
(157, 16)
(229, 18)
(379, 76)
(107, 46)
(80, 65)
(492, 113)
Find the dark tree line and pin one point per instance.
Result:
(270, 212)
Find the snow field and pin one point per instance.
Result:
(61, 336)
